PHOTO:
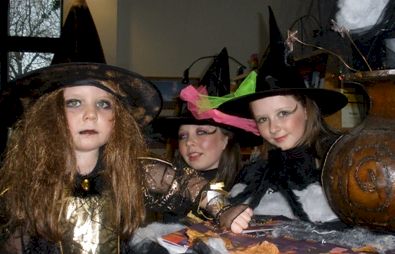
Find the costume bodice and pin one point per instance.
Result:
(91, 229)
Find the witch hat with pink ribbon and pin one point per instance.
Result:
(194, 109)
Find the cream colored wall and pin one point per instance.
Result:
(162, 37)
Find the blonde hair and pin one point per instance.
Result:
(40, 166)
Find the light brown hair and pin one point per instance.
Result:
(230, 161)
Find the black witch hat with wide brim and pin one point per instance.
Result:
(80, 58)
(140, 95)
(217, 83)
(277, 76)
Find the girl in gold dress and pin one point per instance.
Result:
(76, 177)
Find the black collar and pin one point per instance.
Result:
(208, 174)
(91, 184)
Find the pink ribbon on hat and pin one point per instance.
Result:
(192, 96)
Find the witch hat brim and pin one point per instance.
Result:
(169, 127)
(328, 101)
(277, 76)
(142, 96)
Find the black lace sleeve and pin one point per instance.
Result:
(169, 189)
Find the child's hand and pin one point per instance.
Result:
(236, 218)
(241, 222)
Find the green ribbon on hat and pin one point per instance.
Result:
(246, 87)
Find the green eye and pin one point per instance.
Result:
(73, 103)
(104, 104)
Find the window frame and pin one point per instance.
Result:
(21, 44)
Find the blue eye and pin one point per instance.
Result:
(73, 103)
(104, 104)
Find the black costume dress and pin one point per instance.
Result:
(288, 183)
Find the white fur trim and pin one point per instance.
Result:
(315, 204)
(312, 198)
(273, 203)
(153, 231)
(236, 189)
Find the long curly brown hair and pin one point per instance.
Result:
(40, 166)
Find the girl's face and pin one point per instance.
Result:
(281, 120)
(201, 146)
(90, 116)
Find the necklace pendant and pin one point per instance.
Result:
(85, 184)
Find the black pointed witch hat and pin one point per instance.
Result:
(278, 76)
(79, 39)
(216, 82)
